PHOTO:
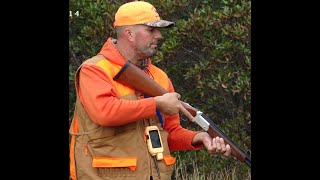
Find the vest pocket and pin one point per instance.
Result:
(115, 167)
(167, 164)
(169, 160)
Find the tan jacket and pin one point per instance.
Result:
(119, 152)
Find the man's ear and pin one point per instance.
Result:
(129, 33)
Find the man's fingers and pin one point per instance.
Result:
(178, 95)
(223, 145)
(228, 151)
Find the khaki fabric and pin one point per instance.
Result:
(126, 141)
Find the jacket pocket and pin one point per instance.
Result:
(115, 167)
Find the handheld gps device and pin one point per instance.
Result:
(154, 141)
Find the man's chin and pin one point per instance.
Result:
(150, 53)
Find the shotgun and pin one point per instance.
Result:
(132, 76)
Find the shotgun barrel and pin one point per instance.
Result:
(132, 76)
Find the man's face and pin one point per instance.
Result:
(146, 40)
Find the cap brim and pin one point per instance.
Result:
(159, 23)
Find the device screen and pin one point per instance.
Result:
(155, 140)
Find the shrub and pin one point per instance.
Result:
(207, 55)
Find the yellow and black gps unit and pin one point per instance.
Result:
(154, 141)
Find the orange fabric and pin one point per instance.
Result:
(72, 161)
(72, 144)
(144, 136)
(115, 162)
(103, 104)
(99, 96)
(111, 72)
(111, 53)
(75, 125)
(179, 138)
(138, 12)
(169, 160)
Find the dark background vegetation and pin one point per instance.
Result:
(207, 55)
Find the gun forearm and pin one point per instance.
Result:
(213, 130)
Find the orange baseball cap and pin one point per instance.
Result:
(139, 12)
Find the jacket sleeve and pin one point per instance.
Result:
(102, 103)
(179, 138)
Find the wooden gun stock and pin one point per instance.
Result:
(131, 76)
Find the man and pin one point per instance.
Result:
(108, 128)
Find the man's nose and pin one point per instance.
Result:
(158, 34)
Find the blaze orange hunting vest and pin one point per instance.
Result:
(99, 152)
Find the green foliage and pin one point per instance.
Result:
(207, 55)
(72, 96)
(198, 165)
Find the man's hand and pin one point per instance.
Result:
(169, 104)
(215, 146)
